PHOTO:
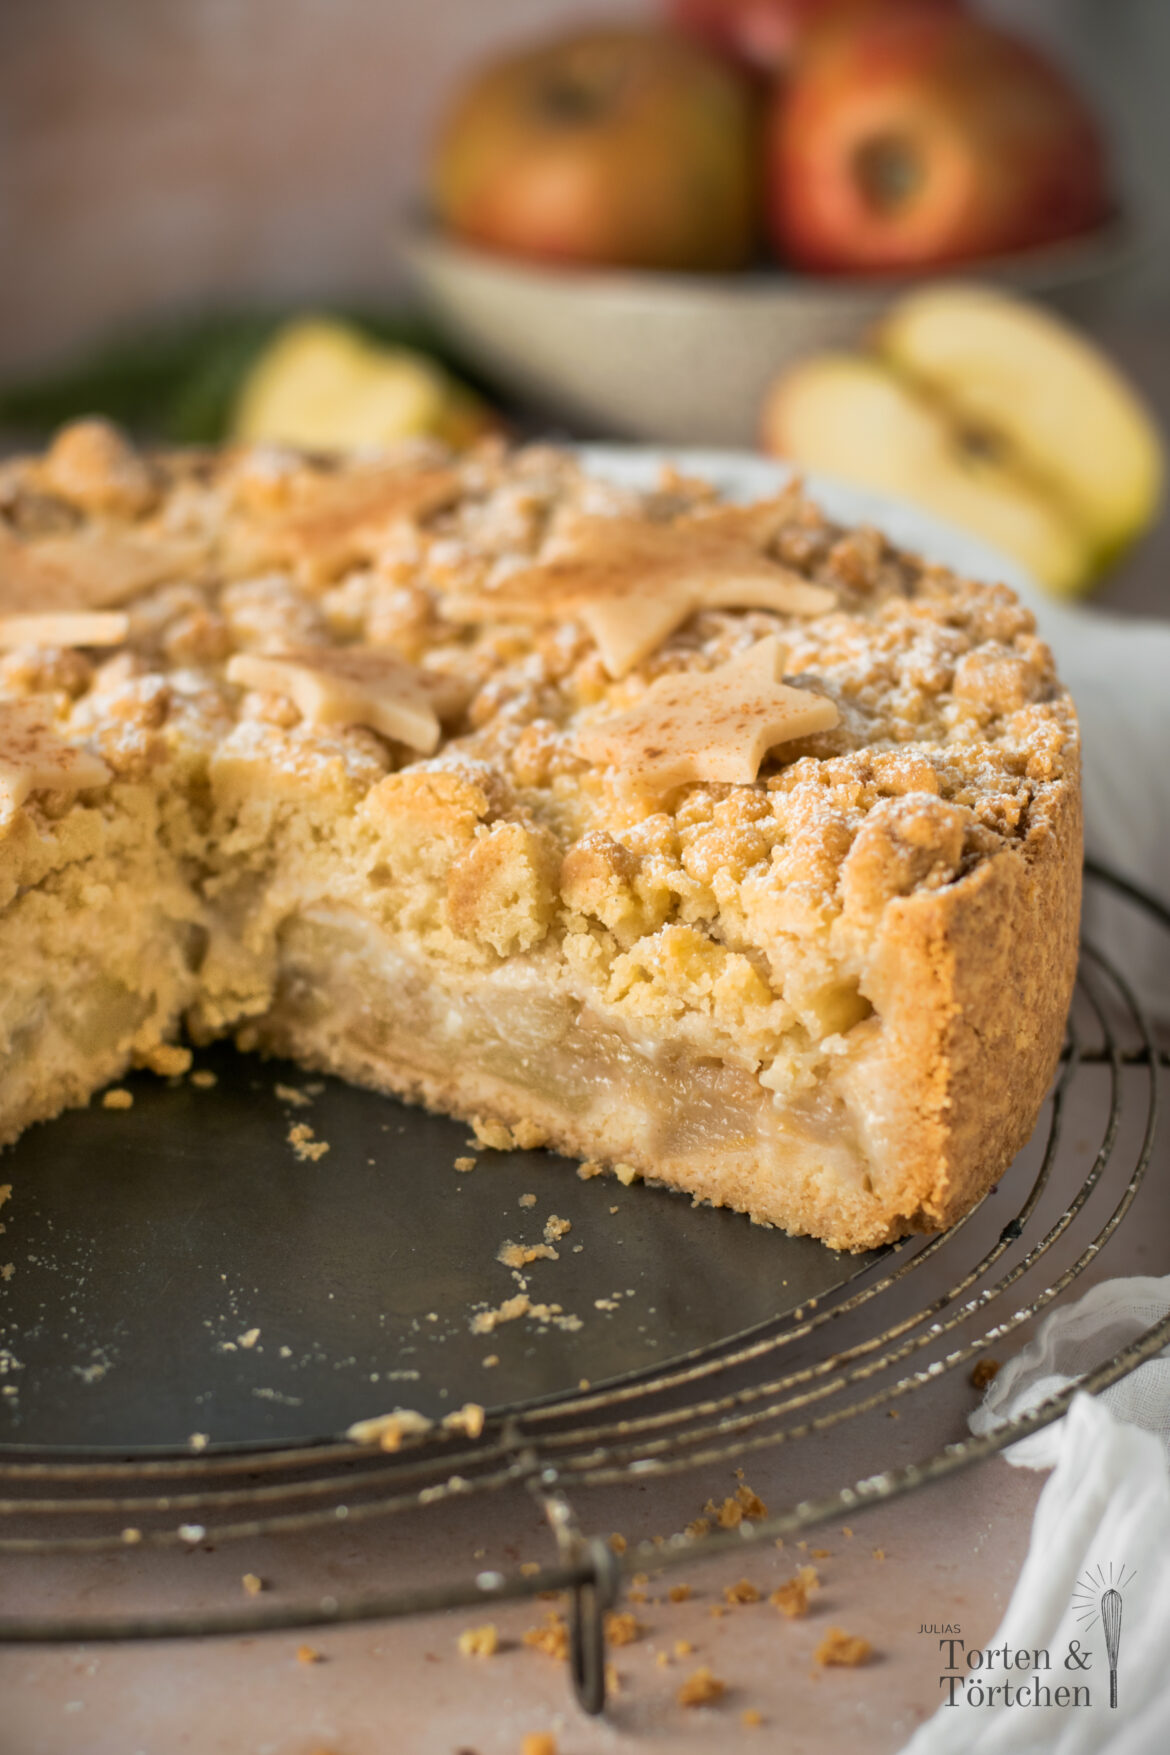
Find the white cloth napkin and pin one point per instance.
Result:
(1103, 1518)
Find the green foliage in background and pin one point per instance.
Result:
(180, 382)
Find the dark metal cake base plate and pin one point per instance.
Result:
(178, 1267)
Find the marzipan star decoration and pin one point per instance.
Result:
(94, 570)
(342, 519)
(35, 758)
(64, 628)
(632, 583)
(716, 725)
(340, 686)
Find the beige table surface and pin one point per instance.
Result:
(952, 1554)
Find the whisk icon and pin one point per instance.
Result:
(1111, 1622)
(1098, 1593)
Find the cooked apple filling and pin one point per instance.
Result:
(716, 843)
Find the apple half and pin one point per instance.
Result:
(991, 413)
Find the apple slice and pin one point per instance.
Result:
(322, 385)
(852, 417)
(1055, 409)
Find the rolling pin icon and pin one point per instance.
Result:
(1111, 1621)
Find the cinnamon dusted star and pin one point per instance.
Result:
(93, 570)
(715, 726)
(338, 520)
(35, 758)
(340, 686)
(633, 582)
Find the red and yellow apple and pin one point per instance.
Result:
(632, 148)
(913, 136)
(769, 34)
(992, 413)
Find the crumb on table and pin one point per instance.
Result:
(621, 1628)
(539, 1743)
(308, 1654)
(742, 1592)
(466, 1163)
(480, 1642)
(552, 1637)
(843, 1650)
(679, 1593)
(792, 1598)
(253, 1584)
(204, 1079)
(118, 1098)
(701, 1689)
(984, 1372)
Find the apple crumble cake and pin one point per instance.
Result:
(712, 844)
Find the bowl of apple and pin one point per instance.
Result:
(633, 231)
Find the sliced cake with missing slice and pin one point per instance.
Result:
(717, 843)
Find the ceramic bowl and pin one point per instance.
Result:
(682, 358)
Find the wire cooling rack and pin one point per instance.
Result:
(926, 1308)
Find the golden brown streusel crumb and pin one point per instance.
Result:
(118, 1098)
(742, 1592)
(527, 1200)
(551, 1637)
(389, 1431)
(792, 1598)
(703, 1688)
(519, 1255)
(698, 1528)
(751, 1718)
(307, 1147)
(529, 1568)
(479, 1642)
(166, 1059)
(844, 1650)
(682, 1648)
(621, 1628)
(984, 1372)
(879, 1553)
(308, 1654)
(539, 1743)
(468, 1419)
(253, 1584)
(679, 1593)
(204, 1079)
(618, 1542)
(466, 1163)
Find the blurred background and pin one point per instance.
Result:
(180, 178)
